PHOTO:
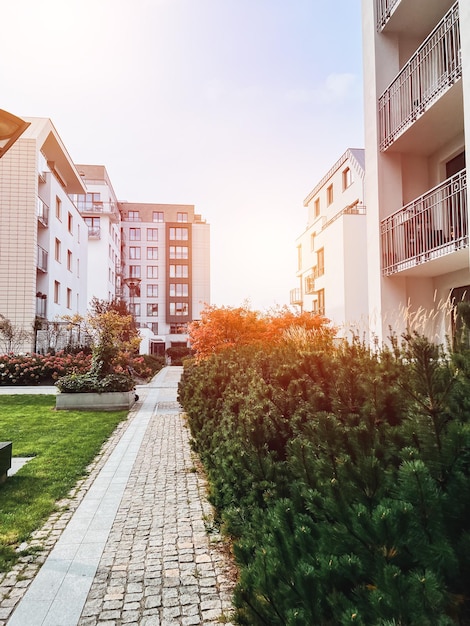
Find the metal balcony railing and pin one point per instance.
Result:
(42, 259)
(42, 212)
(434, 67)
(431, 226)
(295, 296)
(384, 9)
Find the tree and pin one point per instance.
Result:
(225, 327)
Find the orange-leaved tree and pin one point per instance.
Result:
(225, 327)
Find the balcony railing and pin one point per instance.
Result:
(42, 259)
(42, 212)
(94, 232)
(434, 67)
(295, 296)
(384, 9)
(431, 226)
(41, 305)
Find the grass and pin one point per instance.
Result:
(62, 444)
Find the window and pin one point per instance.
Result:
(299, 257)
(321, 261)
(152, 310)
(152, 234)
(69, 298)
(78, 268)
(152, 291)
(152, 254)
(179, 308)
(57, 250)
(181, 217)
(133, 216)
(134, 234)
(134, 309)
(158, 216)
(56, 292)
(69, 260)
(319, 304)
(347, 178)
(94, 226)
(316, 207)
(179, 289)
(312, 242)
(329, 195)
(58, 208)
(134, 253)
(179, 252)
(152, 271)
(134, 271)
(177, 329)
(70, 222)
(153, 327)
(180, 234)
(179, 271)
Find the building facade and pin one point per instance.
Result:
(417, 119)
(66, 240)
(166, 270)
(331, 252)
(43, 239)
(99, 208)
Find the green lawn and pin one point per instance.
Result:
(62, 444)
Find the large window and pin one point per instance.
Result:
(152, 310)
(69, 298)
(58, 208)
(153, 327)
(134, 309)
(181, 217)
(158, 216)
(179, 289)
(152, 254)
(133, 216)
(152, 234)
(94, 226)
(319, 304)
(179, 271)
(178, 329)
(134, 252)
(316, 207)
(179, 252)
(179, 308)
(179, 234)
(69, 260)
(70, 223)
(152, 271)
(56, 292)
(134, 271)
(134, 234)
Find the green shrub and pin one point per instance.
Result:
(91, 383)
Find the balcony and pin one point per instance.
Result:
(41, 259)
(427, 76)
(42, 212)
(433, 226)
(384, 9)
(100, 208)
(296, 296)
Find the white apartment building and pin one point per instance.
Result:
(331, 252)
(99, 208)
(417, 118)
(166, 261)
(43, 238)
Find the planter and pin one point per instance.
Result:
(107, 401)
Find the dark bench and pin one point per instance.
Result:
(5, 459)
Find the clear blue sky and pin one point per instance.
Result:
(236, 106)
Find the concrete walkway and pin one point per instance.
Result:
(137, 548)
